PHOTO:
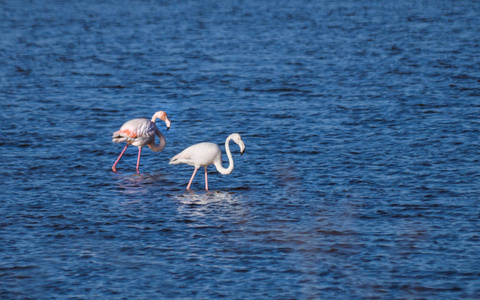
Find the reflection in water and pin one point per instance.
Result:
(138, 183)
(190, 197)
(210, 204)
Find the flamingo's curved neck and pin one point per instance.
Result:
(219, 166)
(161, 145)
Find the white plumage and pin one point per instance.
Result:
(205, 154)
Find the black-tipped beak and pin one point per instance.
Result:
(168, 123)
(241, 153)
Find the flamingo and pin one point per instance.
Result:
(205, 154)
(141, 132)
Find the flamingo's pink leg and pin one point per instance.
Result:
(206, 179)
(116, 162)
(138, 160)
(191, 179)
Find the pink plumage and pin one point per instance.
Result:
(140, 133)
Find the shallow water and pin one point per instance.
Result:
(360, 177)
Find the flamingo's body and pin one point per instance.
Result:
(205, 154)
(140, 133)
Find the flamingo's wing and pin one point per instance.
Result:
(183, 157)
(202, 154)
(138, 131)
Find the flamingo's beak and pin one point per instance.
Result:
(243, 151)
(167, 121)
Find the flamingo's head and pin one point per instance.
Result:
(162, 116)
(238, 140)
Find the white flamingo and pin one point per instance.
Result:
(141, 132)
(205, 154)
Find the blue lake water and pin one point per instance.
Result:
(361, 177)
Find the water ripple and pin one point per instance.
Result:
(360, 177)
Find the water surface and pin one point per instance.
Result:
(360, 177)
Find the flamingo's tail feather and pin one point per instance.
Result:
(119, 137)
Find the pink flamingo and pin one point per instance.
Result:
(141, 132)
(205, 154)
